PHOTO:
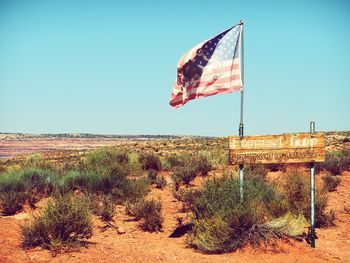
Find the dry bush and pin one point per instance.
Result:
(331, 182)
(336, 162)
(222, 223)
(150, 162)
(64, 222)
(113, 181)
(160, 182)
(26, 184)
(107, 210)
(149, 212)
(297, 191)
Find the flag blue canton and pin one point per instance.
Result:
(220, 48)
(223, 47)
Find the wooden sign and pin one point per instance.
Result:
(284, 148)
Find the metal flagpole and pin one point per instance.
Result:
(312, 196)
(241, 125)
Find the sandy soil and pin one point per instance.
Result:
(333, 244)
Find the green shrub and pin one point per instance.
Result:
(64, 222)
(331, 182)
(134, 165)
(135, 189)
(39, 183)
(152, 176)
(150, 162)
(150, 214)
(17, 186)
(336, 162)
(113, 181)
(184, 174)
(160, 182)
(222, 223)
(216, 157)
(188, 197)
(11, 181)
(297, 191)
(202, 164)
(275, 167)
(256, 170)
(187, 167)
(198, 162)
(84, 181)
(114, 177)
(101, 159)
(12, 202)
(36, 160)
(345, 161)
(175, 161)
(3, 167)
(212, 235)
(332, 162)
(107, 210)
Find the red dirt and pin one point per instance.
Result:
(333, 244)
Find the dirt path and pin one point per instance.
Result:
(335, 241)
(135, 245)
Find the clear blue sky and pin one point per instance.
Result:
(109, 66)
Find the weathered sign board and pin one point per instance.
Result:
(284, 148)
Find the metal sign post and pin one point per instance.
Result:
(312, 195)
(241, 125)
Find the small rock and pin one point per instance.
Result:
(120, 230)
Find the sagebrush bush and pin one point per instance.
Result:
(3, 167)
(114, 177)
(152, 176)
(39, 183)
(26, 184)
(175, 161)
(102, 158)
(85, 181)
(222, 223)
(107, 209)
(135, 189)
(216, 157)
(187, 197)
(157, 180)
(256, 170)
(113, 181)
(12, 193)
(160, 182)
(150, 162)
(134, 165)
(65, 221)
(150, 212)
(191, 166)
(11, 181)
(336, 162)
(199, 163)
(12, 202)
(297, 191)
(345, 160)
(331, 182)
(36, 160)
(184, 174)
(275, 167)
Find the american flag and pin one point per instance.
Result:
(212, 67)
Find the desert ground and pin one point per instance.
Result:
(135, 245)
